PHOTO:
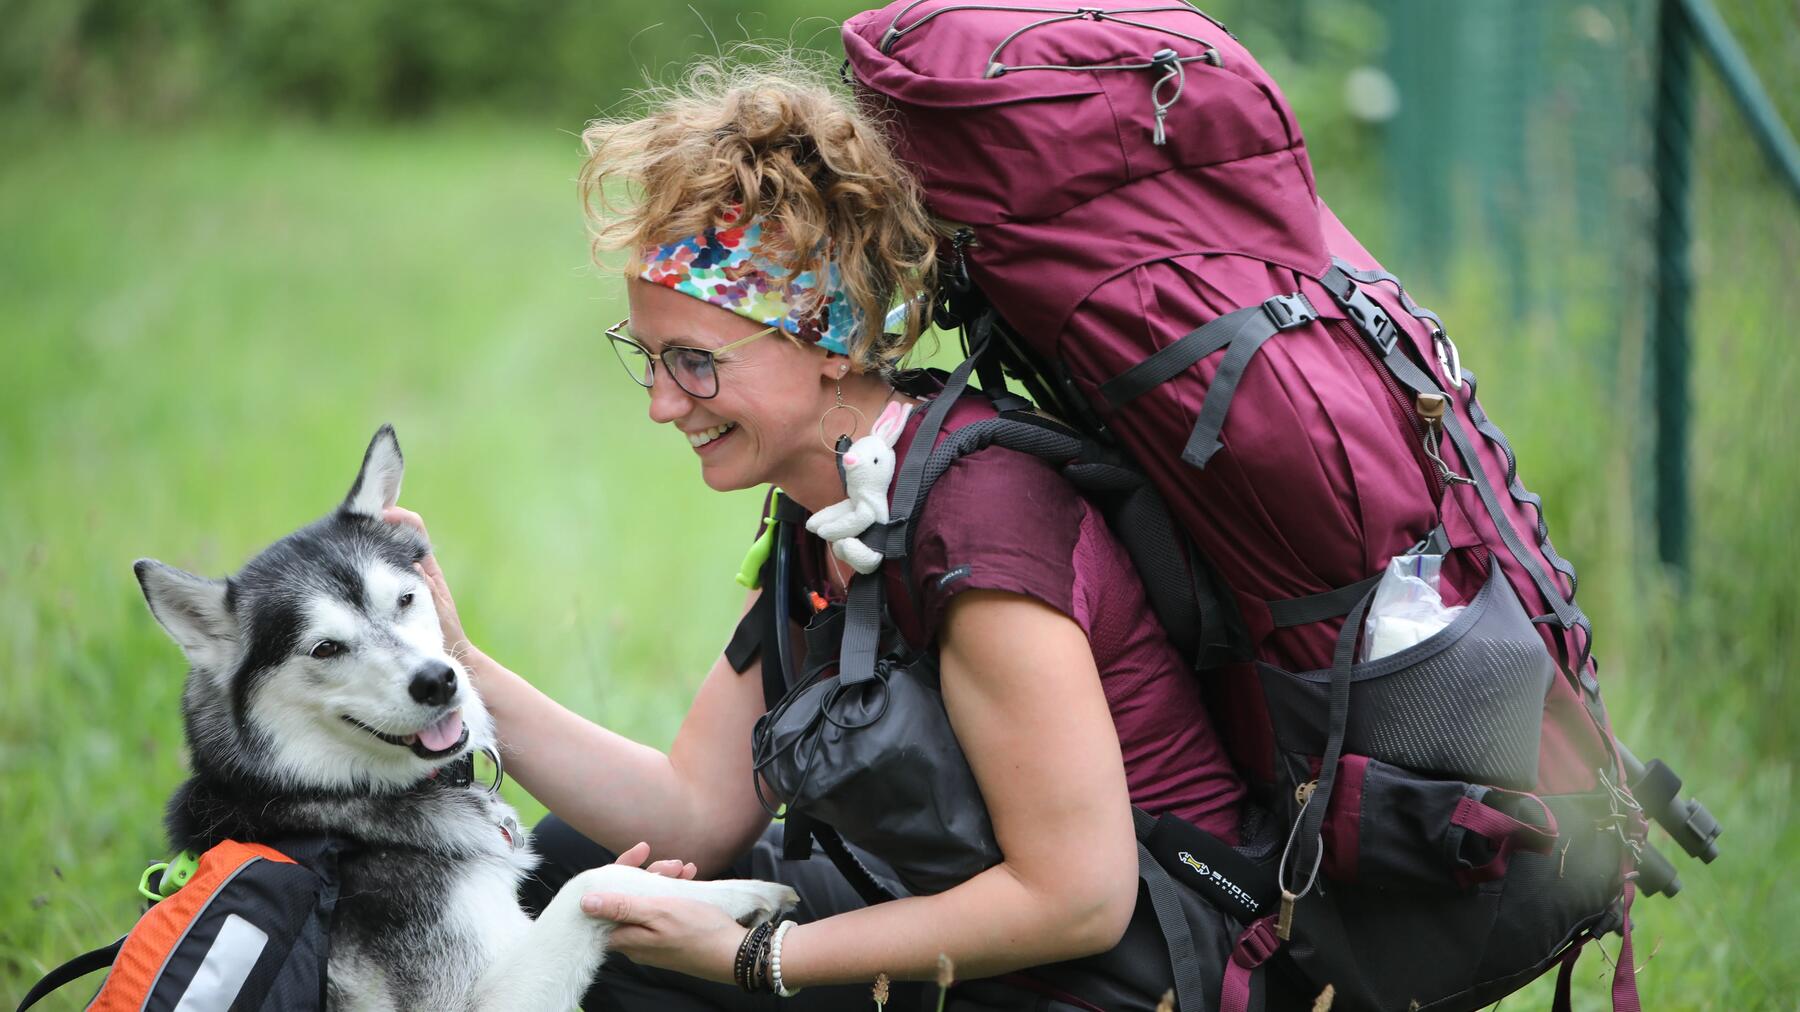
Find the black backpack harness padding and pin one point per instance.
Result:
(1169, 849)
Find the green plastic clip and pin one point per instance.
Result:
(144, 889)
(749, 574)
(175, 874)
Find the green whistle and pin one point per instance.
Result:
(749, 574)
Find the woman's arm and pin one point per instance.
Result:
(694, 803)
(1025, 700)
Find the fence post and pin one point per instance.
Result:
(1673, 129)
(1708, 32)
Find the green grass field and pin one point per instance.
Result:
(202, 329)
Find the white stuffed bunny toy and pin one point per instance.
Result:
(868, 471)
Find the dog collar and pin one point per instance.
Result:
(461, 773)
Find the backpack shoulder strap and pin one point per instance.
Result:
(768, 622)
(1196, 610)
(862, 632)
(74, 969)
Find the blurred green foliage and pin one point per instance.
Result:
(162, 60)
(558, 60)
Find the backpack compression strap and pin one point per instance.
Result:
(1379, 329)
(1241, 334)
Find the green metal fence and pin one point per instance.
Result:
(1552, 145)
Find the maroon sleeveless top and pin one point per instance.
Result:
(1003, 520)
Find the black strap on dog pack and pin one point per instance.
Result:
(74, 969)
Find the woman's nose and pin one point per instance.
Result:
(667, 400)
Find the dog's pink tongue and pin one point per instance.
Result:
(442, 734)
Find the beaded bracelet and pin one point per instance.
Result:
(737, 964)
(759, 969)
(775, 983)
(750, 969)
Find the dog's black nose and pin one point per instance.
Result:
(433, 684)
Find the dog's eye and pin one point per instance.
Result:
(406, 599)
(325, 649)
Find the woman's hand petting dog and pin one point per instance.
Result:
(455, 640)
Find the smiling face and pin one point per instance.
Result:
(762, 426)
(321, 664)
(345, 677)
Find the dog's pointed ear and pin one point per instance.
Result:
(191, 608)
(378, 483)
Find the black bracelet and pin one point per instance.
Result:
(742, 960)
(761, 973)
(746, 952)
(750, 969)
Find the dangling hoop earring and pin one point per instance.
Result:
(840, 406)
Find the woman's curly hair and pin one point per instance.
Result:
(783, 141)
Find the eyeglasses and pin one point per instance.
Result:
(694, 370)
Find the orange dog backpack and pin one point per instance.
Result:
(245, 926)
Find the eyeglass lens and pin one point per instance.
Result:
(690, 368)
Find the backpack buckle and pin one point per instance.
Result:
(1289, 311)
(1371, 319)
(1256, 945)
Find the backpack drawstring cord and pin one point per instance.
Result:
(1172, 71)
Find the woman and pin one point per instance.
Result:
(770, 228)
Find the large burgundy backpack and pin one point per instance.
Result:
(1143, 247)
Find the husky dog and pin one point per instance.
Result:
(321, 702)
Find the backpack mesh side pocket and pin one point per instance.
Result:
(1467, 702)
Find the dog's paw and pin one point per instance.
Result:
(749, 901)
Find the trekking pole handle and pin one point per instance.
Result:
(1658, 789)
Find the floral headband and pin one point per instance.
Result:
(727, 268)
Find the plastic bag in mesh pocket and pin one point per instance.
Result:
(1467, 703)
